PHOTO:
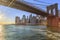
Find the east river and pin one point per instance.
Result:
(22, 32)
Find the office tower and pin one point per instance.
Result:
(27, 20)
(30, 18)
(17, 20)
(23, 19)
(33, 21)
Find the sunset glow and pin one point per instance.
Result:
(4, 19)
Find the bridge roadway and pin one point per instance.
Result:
(23, 6)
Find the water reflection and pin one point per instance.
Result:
(1, 32)
(13, 32)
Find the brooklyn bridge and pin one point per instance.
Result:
(53, 21)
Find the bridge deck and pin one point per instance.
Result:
(25, 7)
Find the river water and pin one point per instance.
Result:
(22, 32)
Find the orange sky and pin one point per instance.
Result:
(7, 23)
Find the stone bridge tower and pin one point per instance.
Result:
(53, 9)
(52, 20)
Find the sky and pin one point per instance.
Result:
(7, 14)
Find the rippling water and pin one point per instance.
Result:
(20, 32)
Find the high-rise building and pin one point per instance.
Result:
(33, 21)
(27, 20)
(30, 18)
(17, 20)
(38, 19)
(24, 19)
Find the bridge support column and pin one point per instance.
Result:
(53, 20)
(53, 23)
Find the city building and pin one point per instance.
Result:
(23, 19)
(27, 20)
(38, 19)
(31, 20)
(17, 20)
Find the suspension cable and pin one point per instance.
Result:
(34, 3)
(11, 2)
(42, 2)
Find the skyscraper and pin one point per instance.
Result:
(33, 20)
(38, 19)
(23, 19)
(30, 18)
(27, 20)
(17, 20)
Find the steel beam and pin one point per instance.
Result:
(22, 6)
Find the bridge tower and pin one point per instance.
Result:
(53, 20)
(53, 9)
